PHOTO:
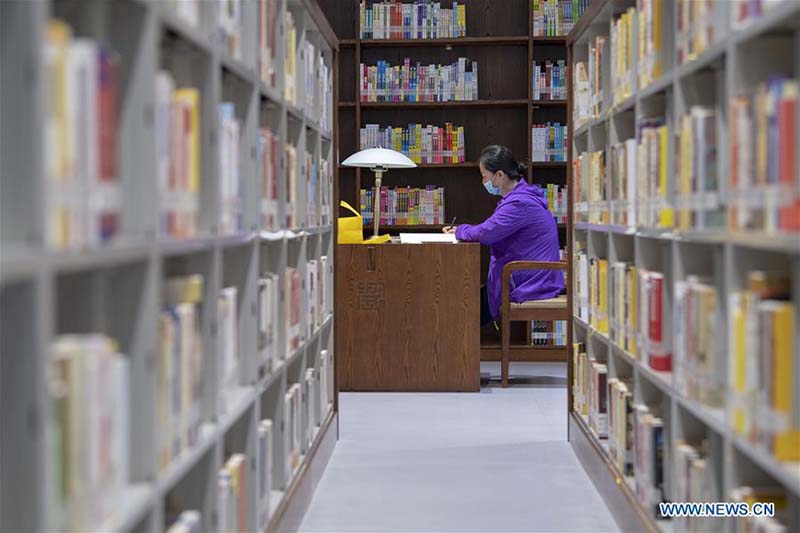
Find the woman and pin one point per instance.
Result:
(520, 229)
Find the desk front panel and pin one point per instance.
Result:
(408, 317)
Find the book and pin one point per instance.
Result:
(236, 468)
(698, 201)
(226, 502)
(621, 424)
(422, 19)
(598, 295)
(649, 457)
(325, 287)
(549, 142)
(651, 54)
(269, 165)
(549, 80)
(228, 334)
(654, 344)
(267, 40)
(312, 310)
(384, 82)
(764, 494)
(654, 210)
(581, 95)
(326, 383)
(229, 26)
(292, 302)
(88, 386)
(291, 204)
(554, 18)
(695, 28)
(290, 58)
(265, 451)
(548, 333)
(621, 52)
(180, 365)
(268, 307)
(598, 400)
(186, 522)
(230, 185)
(581, 288)
(591, 188)
(293, 432)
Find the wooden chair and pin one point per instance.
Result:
(557, 308)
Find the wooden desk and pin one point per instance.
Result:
(408, 317)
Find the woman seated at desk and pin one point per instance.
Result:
(520, 229)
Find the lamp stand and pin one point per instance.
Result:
(377, 207)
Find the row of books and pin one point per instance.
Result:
(553, 18)
(318, 96)
(697, 200)
(745, 12)
(764, 364)
(88, 385)
(763, 159)
(422, 144)
(230, 209)
(695, 31)
(384, 82)
(622, 60)
(549, 142)
(548, 333)
(422, 19)
(588, 83)
(181, 363)
(268, 298)
(268, 20)
(405, 205)
(319, 279)
(550, 80)
(83, 204)
(557, 201)
(588, 171)
(230, 26)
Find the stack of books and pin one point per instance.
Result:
(697, 198)
(230, 201)
(622, 59)
(268, 332)
(269, 163)
(405, 205)
(549, 142)
(763, 366)
(187, 521)
(580, 385)
(699, 371)
(654, 341)
(181, 363)
(290, 59)
(695, 32)
(557, 201)
(292, 309)
(266, 446)
(290, 203)
(83, 204)
(178, 157)
(763, 160)
(548, 333)
(89, 389)
(622, 169)
(228, 340)
(694, 481)
(419, 83)
(652, 203)
(553, 18)
(229, 26)
(651, 35)
(550, 80)
(591, 202)
(624, 306)
(423, 19)
(267, 40)
(422, 144)
(232, 494)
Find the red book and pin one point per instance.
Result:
(660, 358)
(108, 64)
(787, 135)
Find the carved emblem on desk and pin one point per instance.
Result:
(370, 295)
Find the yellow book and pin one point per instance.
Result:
(685, 172)
(190, 98)
(593, 293)
(739, 364)
(462, 19)
(666, 215)
(787, 438)
(656, 14)
(602, 271)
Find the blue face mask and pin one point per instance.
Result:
(491, 188)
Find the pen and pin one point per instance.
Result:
(453, 222)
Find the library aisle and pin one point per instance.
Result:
(494, 461)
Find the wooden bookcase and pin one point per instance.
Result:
(500, 38)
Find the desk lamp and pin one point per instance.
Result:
(379, 160)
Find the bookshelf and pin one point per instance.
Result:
(684, 233)
(122, 287)
(500, 37)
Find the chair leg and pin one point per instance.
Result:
(505, 335)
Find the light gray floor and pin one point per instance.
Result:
(493, 461)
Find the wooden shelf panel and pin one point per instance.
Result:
(468, 104)
(562, 39)
(548, 164)
(513, 40)
(549, 103)
(466, 164)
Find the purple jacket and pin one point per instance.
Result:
(520, 229)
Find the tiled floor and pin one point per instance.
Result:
(493, 461)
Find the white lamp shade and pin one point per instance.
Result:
(378, 157)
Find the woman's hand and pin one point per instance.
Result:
(449, 229)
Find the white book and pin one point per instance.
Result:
(323, 383)
(225, 513)
(264, 472)
(228, 336)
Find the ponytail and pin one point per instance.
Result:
(495, 158)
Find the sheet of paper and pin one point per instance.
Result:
(419, 238)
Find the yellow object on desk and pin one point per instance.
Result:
(351, 229)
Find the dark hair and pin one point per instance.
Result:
(495, 158)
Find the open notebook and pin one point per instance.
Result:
(419, 238)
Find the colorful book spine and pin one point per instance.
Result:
(621, 424)
(555, 18)
(550, 80)
(440, 83)
(591, 188)
(423, 19)
(695, 28)
(290, 58)
(651, 14)
(557, 201)
(422, 144)
(401, 206)
(622, 60)
(654, 208)
(291, 205)
(549, 142)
